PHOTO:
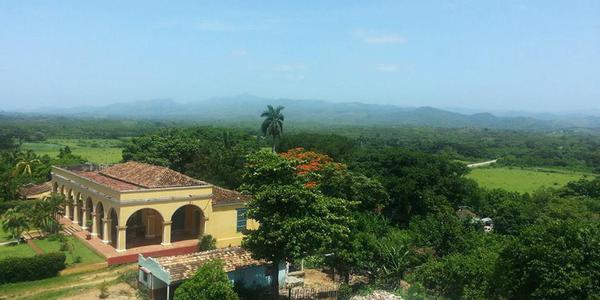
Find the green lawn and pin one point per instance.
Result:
(104, 151)
(79, 250)
(20, 250)
(522, 180)
(4, 236)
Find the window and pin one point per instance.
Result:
(241, 219)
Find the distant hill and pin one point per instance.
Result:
(247, 107)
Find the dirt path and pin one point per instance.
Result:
(85, 280)
(481, 164)
(35, 247)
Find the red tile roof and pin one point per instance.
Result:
(148, 176)
(182, 267)
(225, 196)
(34, 189)
(136, 176)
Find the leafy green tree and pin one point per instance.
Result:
(465, 274)
(341, 183)
(553, 259)
(26, 162)
(294, 223)
(15, 222)
(263, 169)
(272, 125)
(42, 214)
(583, 187)
(411, 178)
(210, 282)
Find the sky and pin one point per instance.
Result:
(539, 56)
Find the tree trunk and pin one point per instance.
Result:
(346, 277)
(275, 280)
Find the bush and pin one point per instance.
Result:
(206, 242)
(210, 282)
(16, 269)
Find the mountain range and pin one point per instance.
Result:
(247, 108)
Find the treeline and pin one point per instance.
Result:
(573, 148)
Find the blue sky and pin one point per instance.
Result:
(484, 55)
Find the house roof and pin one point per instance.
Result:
(133, 175)
(148, 176)
(225, 196)
(35, 189)
(181, 267)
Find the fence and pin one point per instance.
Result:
(312, 293)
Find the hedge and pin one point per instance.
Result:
(16, 269)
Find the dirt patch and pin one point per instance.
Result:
(317, 279)
(120, 291)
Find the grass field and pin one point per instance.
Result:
(20, 250)
(522, 180)
(79, 250)
(103, 151)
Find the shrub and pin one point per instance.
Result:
(210, 282)
(16, 269)
(206, 242)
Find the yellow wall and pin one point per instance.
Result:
(220, 221)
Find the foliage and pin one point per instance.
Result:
(263, 169)
(553, 259)
(15, 222)
(294, 223)
(206, 242)
(212, 154)
(272, 125)
(463, 274)
(583, 187)
(16, 269)
(414, 179)
(209, 282)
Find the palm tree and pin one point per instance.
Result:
(26, 163)
(15, 222)
(273, 123)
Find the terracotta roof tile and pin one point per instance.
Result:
(148, 176)
(182, 267)
(34, 189)
(109, 182)
(225, 196)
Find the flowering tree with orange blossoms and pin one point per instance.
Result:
(309, 163)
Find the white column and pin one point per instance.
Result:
(107, 231)
(84, 211)
(94, 224)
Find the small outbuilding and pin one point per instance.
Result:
(35, 191)
(162, 275)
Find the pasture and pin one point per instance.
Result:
(522, 179)
(102, 151)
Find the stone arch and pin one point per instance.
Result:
(89, 209)
(114, 223)
(187, 222)
(100, 218)
(70, 200)
(144, 227)
(78, 207)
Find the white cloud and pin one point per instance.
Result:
(289, 67)
(389, 68)
(239, 52)
(379, 38)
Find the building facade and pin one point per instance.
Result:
(135, 204)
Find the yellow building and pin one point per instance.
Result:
(133, 204)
